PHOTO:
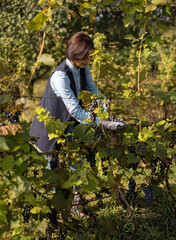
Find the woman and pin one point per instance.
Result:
(61, 93)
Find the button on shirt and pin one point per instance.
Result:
(60, 83)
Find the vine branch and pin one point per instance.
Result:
(120, 194)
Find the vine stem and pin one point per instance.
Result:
(35, 65)
(120, 194)
(138, 82)
(139, 64)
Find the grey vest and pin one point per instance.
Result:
(55, 105)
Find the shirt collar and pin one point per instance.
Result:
(70, 65)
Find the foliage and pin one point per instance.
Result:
(129, 166)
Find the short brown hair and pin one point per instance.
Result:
(79, 46)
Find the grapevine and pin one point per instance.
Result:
(26, 213)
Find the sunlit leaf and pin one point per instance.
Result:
(157, 2)
(37, 22)
(46, 59)
(150, 8)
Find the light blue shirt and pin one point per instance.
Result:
(60, 83)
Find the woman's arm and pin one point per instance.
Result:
(60, 83)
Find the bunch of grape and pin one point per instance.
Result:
(92, 107)
(26, 213)
(99, 133)
(148, 194)
(98, 130)
(91, 157)
(12, 118)
(142, 147)
(131, 193)
(54, 163)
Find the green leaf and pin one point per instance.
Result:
(146, 52)
(161, 150)
(172, 95)
(74, 180)
(131, 37)
(8, 143)
(2, 187)
(4, 98)
(131, 158)
(157, 2)
(7, 163)
(142, 33)
(50, 176)
(145, 134)
(92, 177)
(42, 226)
(37, 156)
(59, 201)
(21, 186)
(46, 59)
(29, 197)
(127, 20)
(159, 93)
(3, 213)
(150, 8)
(46, 209)
(37, 22)
(56, 126)
(157, 191)
(84, 132)
(162, 26)
(25, 147)
(90, 187)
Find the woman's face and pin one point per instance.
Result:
(82, 63)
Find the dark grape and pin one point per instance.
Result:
(26, 213)
(132, 184)
(91, 157)
(54, 163)
(133, 166)
(131, 194)
(148, 194)
(7, 114)
(92, 107)
(132, 149)
(15, 118)
(141, 146)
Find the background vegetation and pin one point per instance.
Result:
(135, 67)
